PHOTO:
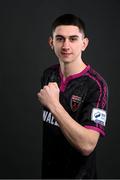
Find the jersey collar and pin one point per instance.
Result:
(64, 83)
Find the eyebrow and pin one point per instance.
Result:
(72, 36)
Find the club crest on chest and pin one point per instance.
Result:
(75, 102)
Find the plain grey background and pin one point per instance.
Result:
(24, 31)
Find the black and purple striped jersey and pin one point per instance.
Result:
(84, 96)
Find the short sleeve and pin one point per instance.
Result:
(94, 112)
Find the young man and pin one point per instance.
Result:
(74, 99)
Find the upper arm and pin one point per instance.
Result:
(94, 112)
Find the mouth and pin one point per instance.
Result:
(65, 54)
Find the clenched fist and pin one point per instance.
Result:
(49, 95)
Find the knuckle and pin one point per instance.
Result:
(45, 87)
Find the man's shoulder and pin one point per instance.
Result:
(51, 68)
(50, 74)
(95, 77)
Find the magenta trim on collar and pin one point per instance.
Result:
(71, 77)
(96, 129)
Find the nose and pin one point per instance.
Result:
(66, 45)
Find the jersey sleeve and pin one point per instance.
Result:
(94, 113)
(44, 79)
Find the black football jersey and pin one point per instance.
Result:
(84, 96)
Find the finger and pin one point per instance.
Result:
(52, 84)
(46, 88)
(55, 84)
(40, 93)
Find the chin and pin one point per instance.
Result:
(66, 59)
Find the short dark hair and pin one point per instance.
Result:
(69, 19)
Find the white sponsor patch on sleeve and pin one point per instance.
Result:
(99, 116)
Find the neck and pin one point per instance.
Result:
(68, 69)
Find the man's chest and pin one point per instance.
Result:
(74, 95)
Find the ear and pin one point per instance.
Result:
(85, 43)
(50, 41)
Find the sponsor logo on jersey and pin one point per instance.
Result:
(99, 116)
(48, 117)
(75, 102)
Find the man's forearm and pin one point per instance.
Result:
(81, 138)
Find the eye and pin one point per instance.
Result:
(59, 39)
(72, 39)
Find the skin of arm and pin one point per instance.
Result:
(83, 139)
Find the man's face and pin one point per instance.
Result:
(68, 43)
